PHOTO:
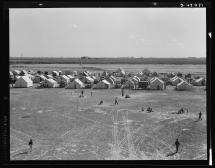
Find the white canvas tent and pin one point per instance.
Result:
(93, 77)
(112, 77)
(24, 72)
(184, 86)
(11, 73)
(120, 72)
(110, 80)
(135, 80)
(199, 82)
(156, 84)
(39, 78)
(88, 79)
(63, 78)
(105, 73)
(140, 74)
(75, 84)
(23, 82)
(17, 77)
(70, 77)
(86, 73)
(49, 76)
(129, 84)
(30, 76)
(103, 84)
(50, 83)
(55, 73)
(31, 72)
(16, 72)
(175, 80)
(75, 73)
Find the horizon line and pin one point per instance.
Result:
(109, 57)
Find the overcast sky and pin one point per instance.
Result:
(108, 32)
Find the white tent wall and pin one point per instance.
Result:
(71, 85)
(39, 78)
(176, 80)
(154, 84)
(129, 84)
(102, 85)
(70, 77)
(49, 76)
(110, 80)
(23, 82)
(10, 73)
(55, 73)
(51, 83)
(184, 86)
(17, 77)
(75, 84)
(30, 76)
(87, 79)
(199, 82)
(16, 72)
(36, 79)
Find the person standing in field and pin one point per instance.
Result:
(116, 101)
(30, 144)
(122, 90)
(82, 93)
(91, 93)
(177, 144)
(200, 115)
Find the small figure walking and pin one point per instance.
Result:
(91, 93)
(116, 101)
(82, 93)
(177, 144)
(122, 91)
(30, 144)
(200, 115)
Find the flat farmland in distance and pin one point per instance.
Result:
(64, 126)
(199, 69)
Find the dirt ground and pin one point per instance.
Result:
(64, 126)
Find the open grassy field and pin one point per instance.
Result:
(66, 127)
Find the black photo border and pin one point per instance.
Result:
(5, 114)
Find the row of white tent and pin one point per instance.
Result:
(25, 81)
(175, 80)
(73, 82)
(155, 83)
(198, 82)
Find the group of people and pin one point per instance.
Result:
(149, 109)
(82, 93)
(182, 111)
(115, 102)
